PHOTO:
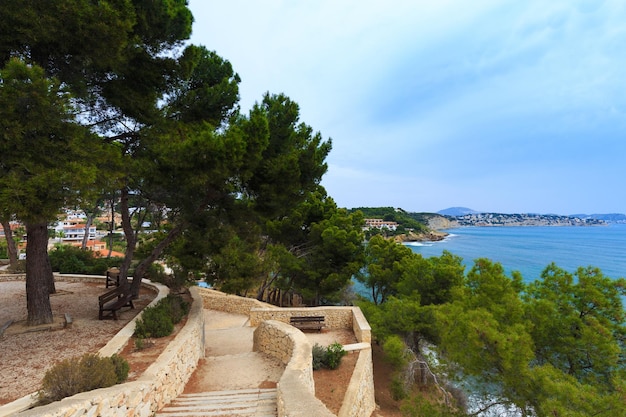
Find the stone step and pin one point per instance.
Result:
(246, 402)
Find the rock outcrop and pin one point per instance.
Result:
(429, 236)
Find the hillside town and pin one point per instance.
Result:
(497, 219)
(71, 228)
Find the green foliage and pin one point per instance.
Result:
(397, 388)
(47, 159)
(552, 347)
(121, 368)
(579, 323)
(327, 357)
(323, 248)
(543, 347)
(394, 349)
(154, 322)
(334, 354)
(175, 306)
(406, 221)
(419, 406)
(159, 320)
(319, 356)
(236, 266)
(384, 267)
(392, 269)
(140, 343)
(435, 279)
(73, 260)
(80, 374)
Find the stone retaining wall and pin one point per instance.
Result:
(296, 388)
(163, 381)
(360, 400)
(228, 303)
(334, 318)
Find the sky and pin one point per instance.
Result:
(497, 105)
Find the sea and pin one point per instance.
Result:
(529, 249)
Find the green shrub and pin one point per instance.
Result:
(334, 353)
(176, 307)
(319, 356)
(121, 368)
(156, 273)
(398, 392)
(154, 322)
(159, 320)
(4, 251)
(80, 374)
(395, 352)
(73, 260)
(139, 343)
(329, 357)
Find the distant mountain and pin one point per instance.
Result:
(456, 211)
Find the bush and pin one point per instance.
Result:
(395, 349)
(154, 322)
(158, 321)
(80, 374)
(176, 307)
(73, 260)
(334, 353)
(121, 368)
(398, 392)
(319, 356)
(329, 357)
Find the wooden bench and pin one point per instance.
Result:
(307, 322)
(113, 300)
(113, 278)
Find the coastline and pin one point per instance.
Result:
(430, 236)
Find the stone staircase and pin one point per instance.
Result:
(244, 403)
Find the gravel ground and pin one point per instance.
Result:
(26, 355)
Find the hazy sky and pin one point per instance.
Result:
(500, 106)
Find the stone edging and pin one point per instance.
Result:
(276, 337)
(163, 381)
(296, 388)
(359, 400)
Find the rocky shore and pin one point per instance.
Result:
(430, 236)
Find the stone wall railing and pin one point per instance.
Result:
(334, 318)
(359, 400)
(275, 337)
(228, 303)
(163, 381)
(296, 388)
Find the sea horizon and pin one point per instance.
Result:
(530, 249)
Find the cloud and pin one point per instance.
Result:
(450, 101)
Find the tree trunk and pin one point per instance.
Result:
(111, 228)
(142, 267)
(11, 246)
(39, 278)
(87, 227)
(129, 234)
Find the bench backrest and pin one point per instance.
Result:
(117, 292)
(306, 318)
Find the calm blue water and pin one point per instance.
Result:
(530, 249)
